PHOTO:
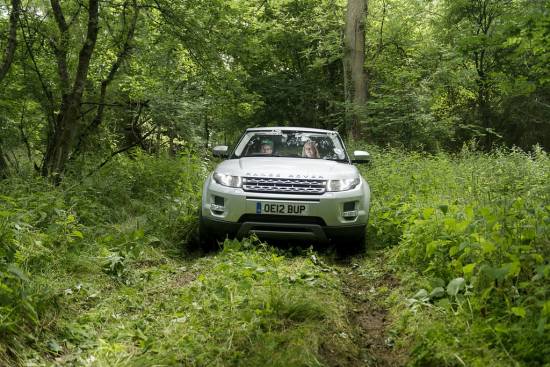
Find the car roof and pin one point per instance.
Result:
(287, 128)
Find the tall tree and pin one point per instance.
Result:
(6, 63)
(122, 54)
(477, 29)
(67, 124)
(354, 60)
(12, 39)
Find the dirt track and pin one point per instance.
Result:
(370, 321)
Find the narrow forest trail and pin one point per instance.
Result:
(244, 305)
(365, 284)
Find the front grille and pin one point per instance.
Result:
(284, 185)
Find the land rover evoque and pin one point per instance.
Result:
(287, 183)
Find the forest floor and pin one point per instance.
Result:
(369, 314)
(242, 305)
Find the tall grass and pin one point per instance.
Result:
(473, 231)
(93, 272)
(102, 272)
(52, 236)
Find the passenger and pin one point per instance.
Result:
(310, 150)
(266, 147)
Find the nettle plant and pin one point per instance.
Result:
(496, 258)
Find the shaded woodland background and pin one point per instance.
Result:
(81, 81)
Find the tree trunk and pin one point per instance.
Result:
(354, 60)
(131, 128)
(123, 53)
(67, 124)
(483, 16)
(12, 39)
(3, 164)
(206, 132)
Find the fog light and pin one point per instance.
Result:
(218, 206)
(349, 206)
(349, 211)
(218, 200)
(350, 214)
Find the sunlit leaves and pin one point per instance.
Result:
(485, 250)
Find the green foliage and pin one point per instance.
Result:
(107, 224)
(440, 73)
(92, 272)
(477, 227)
(247, 306)
(27, 239)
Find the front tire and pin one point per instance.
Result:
(207, 240)
(352, 243)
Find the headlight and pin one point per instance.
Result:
(342, 185)
(227, 180)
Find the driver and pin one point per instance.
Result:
(310, 150)
(266, 146)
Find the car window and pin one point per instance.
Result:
(294, 144)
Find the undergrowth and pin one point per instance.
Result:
(470, 237)
(103, 272)
(101, 227)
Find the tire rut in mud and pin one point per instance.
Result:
(370, 320)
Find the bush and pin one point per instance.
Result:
(100, 226)
(478, 227)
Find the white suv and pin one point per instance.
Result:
(287, 183)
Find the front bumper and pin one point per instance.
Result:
(280, 231)
(237, 216)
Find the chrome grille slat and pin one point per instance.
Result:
(284, 185)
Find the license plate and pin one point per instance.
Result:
(282, 208)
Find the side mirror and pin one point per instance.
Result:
(360, 156)
(221, 151)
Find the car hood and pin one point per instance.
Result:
(287, 168)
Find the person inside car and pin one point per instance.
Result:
(266, 147)
(310, 150)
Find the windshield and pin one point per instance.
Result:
(293, 144)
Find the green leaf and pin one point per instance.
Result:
(152, 240)
(453, 250)
(486, 246)
(431, 247)
(437, 292)
(77, 234)
(455, 286)
(428, 212)
(513, 268)
(496, 273)
(15, 270)
(468, 269)
(501, 328)
(444, 303)
(519, 311)
(421, 294)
